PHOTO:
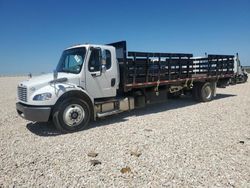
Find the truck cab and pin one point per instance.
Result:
(96, 67)
(84, 73)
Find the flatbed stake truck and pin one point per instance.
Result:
(94, 81)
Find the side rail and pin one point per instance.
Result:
(213, 65)
(144, 67)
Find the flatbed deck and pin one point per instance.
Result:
(146, 69)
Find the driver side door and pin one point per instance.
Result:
(98, 82)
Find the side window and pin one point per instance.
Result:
(95, 60)
(108, 59)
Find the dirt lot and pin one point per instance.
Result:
(182, 144)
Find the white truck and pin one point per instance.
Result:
(93, 81)
(240, 74)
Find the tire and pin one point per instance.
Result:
(203, 92)
(195, 91)
(71, 115)
(206, 92)
(245, 77)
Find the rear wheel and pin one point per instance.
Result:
(203, 92)
(206, 92)
(71, 115)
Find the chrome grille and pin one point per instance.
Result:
(22, 93)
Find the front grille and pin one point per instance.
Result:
(22, 93)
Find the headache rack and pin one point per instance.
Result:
(143, 69)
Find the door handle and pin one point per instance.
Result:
(112, 82)
(96, 74)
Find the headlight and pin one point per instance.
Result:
(42, 97)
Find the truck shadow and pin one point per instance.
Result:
(48, 129)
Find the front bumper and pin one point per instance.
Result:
(33, 113)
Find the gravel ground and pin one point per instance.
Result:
(176, 144)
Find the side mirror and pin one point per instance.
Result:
(55, 74)
(103, 68)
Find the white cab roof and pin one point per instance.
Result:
(87, 46)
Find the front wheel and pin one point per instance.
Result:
(71, 115)
(245, 77)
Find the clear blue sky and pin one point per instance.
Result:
(34, 33)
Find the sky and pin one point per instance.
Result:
(33, 34)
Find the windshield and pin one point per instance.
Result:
(71, 60)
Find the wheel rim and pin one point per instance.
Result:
(208, 92)
(73, 115)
